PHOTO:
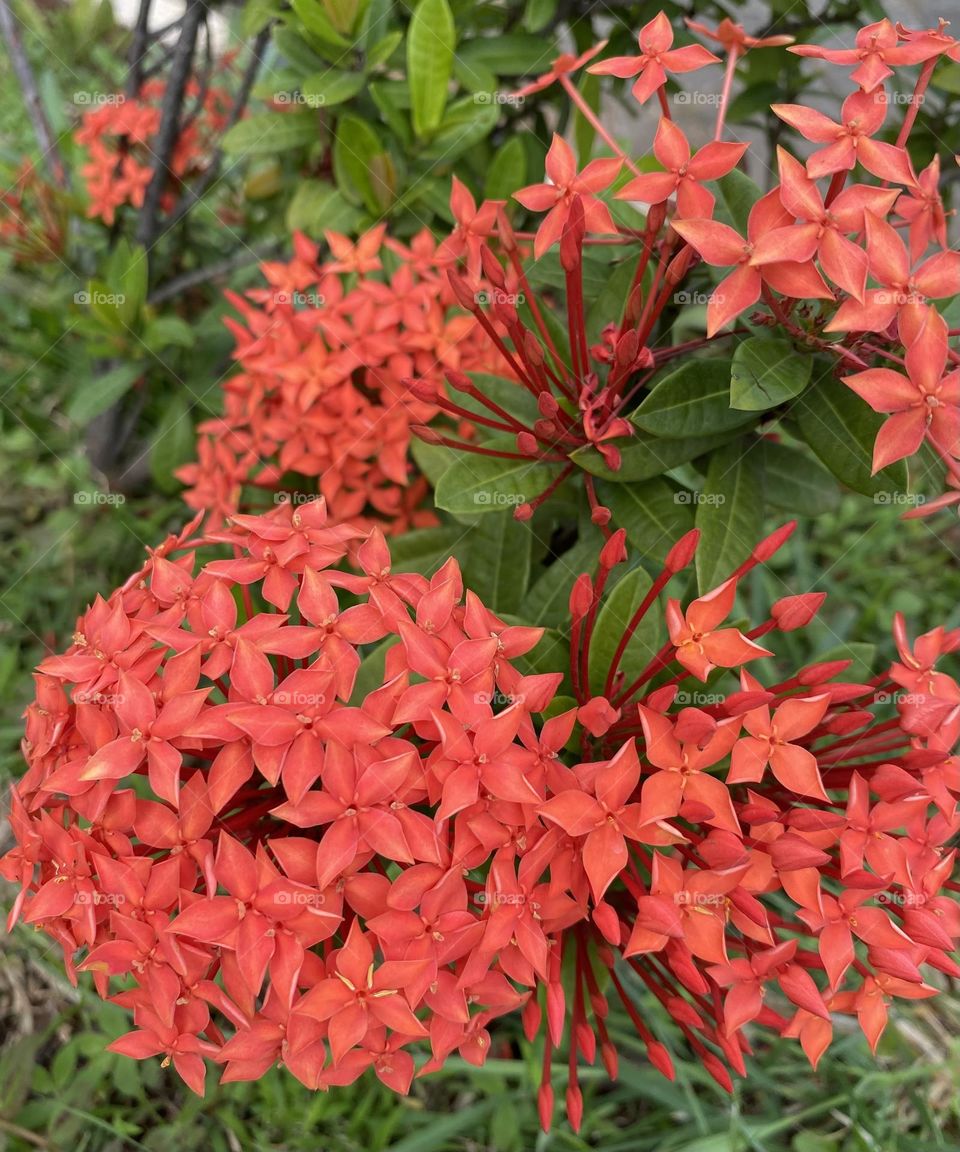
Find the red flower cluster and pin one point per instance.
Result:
(822, 251)
(32, 218)
(119, 133)
(288, 855)
(324, 402)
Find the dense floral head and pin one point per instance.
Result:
(287, 811)
(119, 135)
(323, 404)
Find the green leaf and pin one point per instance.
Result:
(431, 41)
(498, 562)
(644, 456)
(613, 618)
(766, 372)
(424, 550)
(319, 25)
(173, 444)
(357, 163)
(694, 400)
(538, 14)
(653, 513)
(371, 671)
(729, 512)
(269, 132)
(738, 194)
(317, 206)
(552, 654)
(477, 483)
(515, 54)
(298, 53)
(795, 481)
(508, 170)
(432, 459)
(382, 50)
(95, 396)
(547, 603)
(168, 331)
(332, 87)
(465, 124)
(841, 430)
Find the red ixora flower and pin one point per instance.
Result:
(657, 58)
(285, 867)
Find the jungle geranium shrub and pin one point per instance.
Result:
(836, 279)
(271, 852)
(322, 404)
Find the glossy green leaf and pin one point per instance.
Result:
(431, 40)
(326, 89)
(796, 482)
(653, 513)
(269, 132)
(644, 456)
(841, 430)
(694, 400)
(498, 560)
(476, 483)
(766, 372)
(612, 621)
(729, 512)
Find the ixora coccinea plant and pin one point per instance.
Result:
(273, 848)
(653, 317)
